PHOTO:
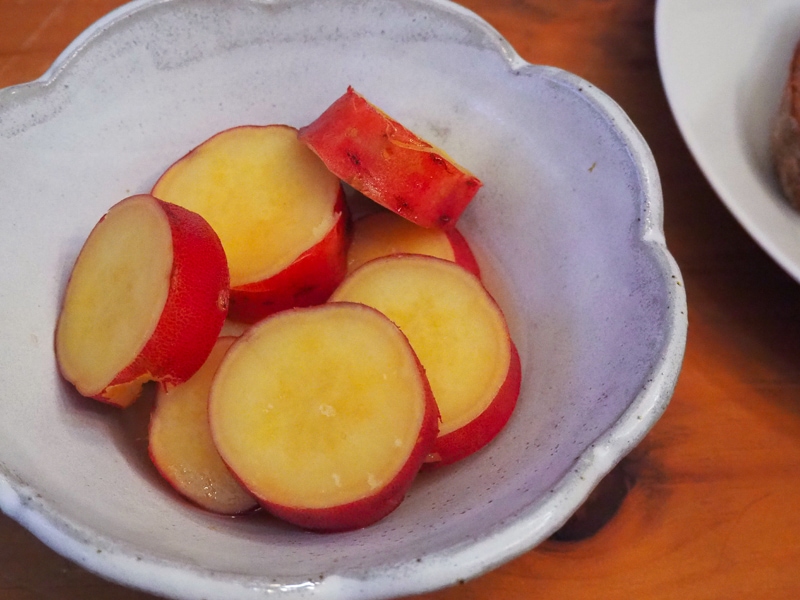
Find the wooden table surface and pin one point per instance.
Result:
(708, 505)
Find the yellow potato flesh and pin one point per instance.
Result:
(115, 295)
(181, 444)
(268, 197)
(385, 233)
(453, 325)
(318, 407)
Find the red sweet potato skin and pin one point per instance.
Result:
(195, 309)
(389, 164)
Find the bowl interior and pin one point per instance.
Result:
(560, 229)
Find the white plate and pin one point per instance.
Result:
(724, 63)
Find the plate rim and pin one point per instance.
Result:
(749, 217)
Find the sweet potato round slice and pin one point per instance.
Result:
(385, 233)
(460, 336)
(278, 211)
(324, 414)
(182, 449)
(146, 300)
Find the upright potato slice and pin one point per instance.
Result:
(389, 164)
(385, 233)
(181, 447)
(146, 300)
(324, 414)
(278, 211)
(460, 337)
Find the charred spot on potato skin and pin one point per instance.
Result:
(354, 158)
(438, 160)
(442, 163)
(401, 204)
(304, 291)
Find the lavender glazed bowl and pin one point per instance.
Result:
(568, 230)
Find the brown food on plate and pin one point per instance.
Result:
(786, 134)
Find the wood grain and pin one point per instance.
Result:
(707, 505)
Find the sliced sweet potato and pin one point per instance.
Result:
(389, 164)
(146, 300)
(278, 211)
(324, 414)
(385, 233)
(460, 336)
(182, 449)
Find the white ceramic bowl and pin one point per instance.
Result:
(568, 228)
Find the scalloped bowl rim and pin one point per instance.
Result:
(508, 540)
